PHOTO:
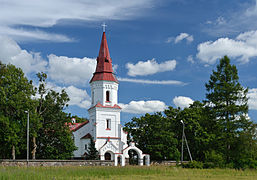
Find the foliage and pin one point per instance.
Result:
(54, 139)
(227, 101)
(218, 131)
(196, 128)
(79, 119)
(214, 160)
(46, 117)
(193, 164)
(15, 99)
(152, 135)
(92, 151)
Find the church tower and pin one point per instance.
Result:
(104, 116)
(104, 85)
(104, 112)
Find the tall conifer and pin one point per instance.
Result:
(227, 100)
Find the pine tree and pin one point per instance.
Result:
(227, 101)
(93, 154)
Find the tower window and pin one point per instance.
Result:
(108, 124)
(85, 146)
(107, 96)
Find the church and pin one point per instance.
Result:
(104, 117)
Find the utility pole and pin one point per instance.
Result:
(184, 137)
(27, 136)
(182, 146)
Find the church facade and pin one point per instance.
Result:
(104, 117)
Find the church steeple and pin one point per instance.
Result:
(104, 71)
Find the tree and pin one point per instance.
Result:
(54, 137)
(197, 124)
(93, 154)
(152, 134)
(227, 101)
(15, 99)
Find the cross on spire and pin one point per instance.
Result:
(104, 26)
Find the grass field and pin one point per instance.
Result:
(128, 172)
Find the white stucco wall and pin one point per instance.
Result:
(98, 92)
(80, 143)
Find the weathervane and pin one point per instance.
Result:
(104, 25)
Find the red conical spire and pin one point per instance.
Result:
(104, 70)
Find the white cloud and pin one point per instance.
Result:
(243, 47)
(182, 101)
(190, 59)
(182, 36)
(78, 97)
(115, 67)
(61, 69)
(71, 70)
(28, 35)
(141, 107)
(252, 95)
(145, 81)
(144, 68)
(10, 52)
(47, 13)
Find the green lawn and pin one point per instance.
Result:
(128, 172)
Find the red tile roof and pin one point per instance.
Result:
(76, 126)
(104, 71)
(102, 106)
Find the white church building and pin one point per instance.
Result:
(104, 117)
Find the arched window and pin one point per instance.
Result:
(107, 96)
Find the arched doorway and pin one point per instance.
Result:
(119, 160)
(107, 156)
(133, 157)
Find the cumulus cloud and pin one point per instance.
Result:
(144, 68)
(182, 101)
(141, 107)
(243, 48)
(47, 13)
(78, 97)
(71, 70)
(145, 81)
(10, 52)
(252, 95)
(61, 69)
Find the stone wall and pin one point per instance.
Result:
(168, 163)
(7, 162)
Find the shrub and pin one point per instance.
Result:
(213, 160)
(193, 164)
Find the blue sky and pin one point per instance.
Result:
(163, 51)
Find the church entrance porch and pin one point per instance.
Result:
(135, 156)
